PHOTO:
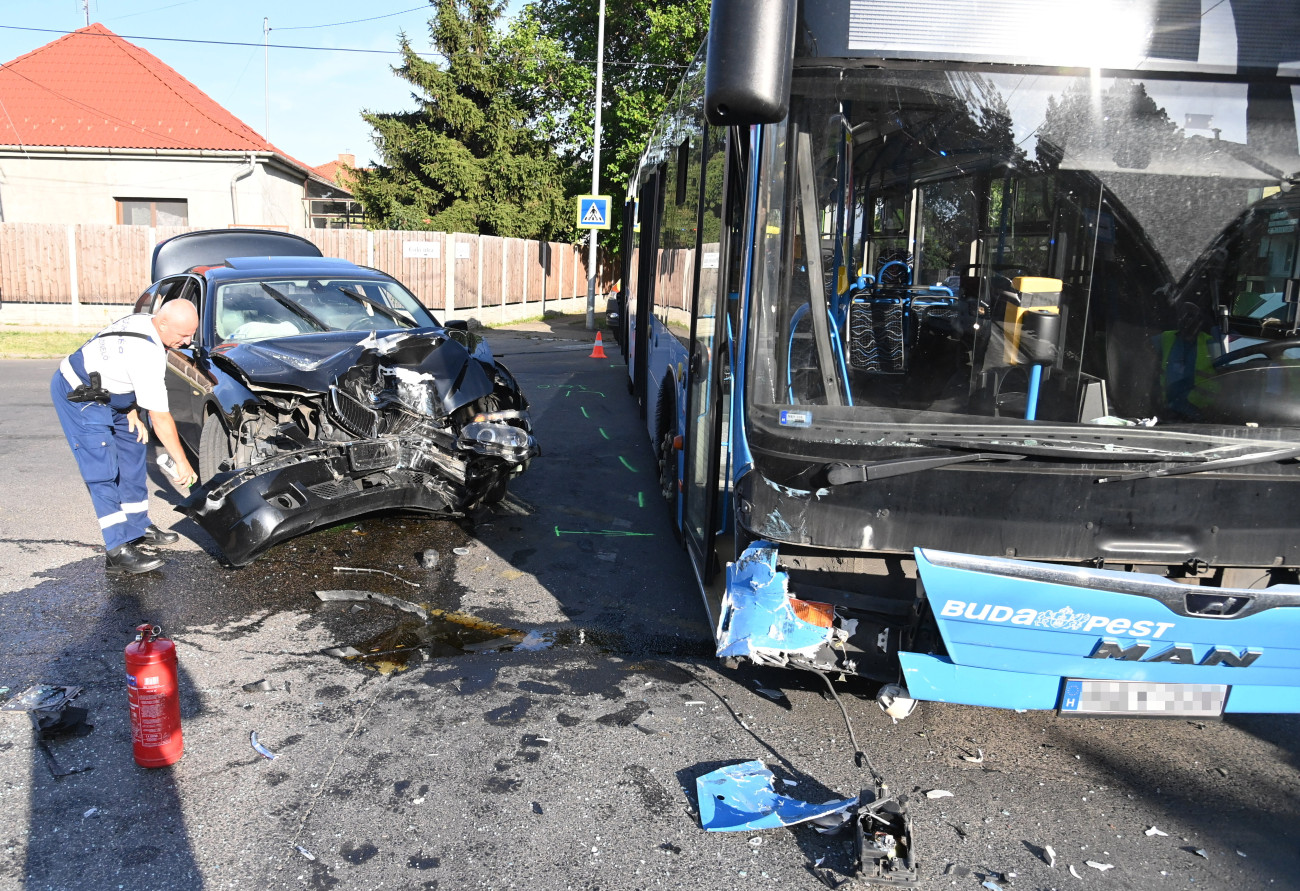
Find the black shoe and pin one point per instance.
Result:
(127, 559)
(154, 536)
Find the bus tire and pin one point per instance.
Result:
(667, 466)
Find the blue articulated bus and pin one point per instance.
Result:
(968, 339)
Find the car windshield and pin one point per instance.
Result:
(1003, 248)
(249, 311)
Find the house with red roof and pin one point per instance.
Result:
(97, 130)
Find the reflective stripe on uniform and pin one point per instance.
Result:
(135, 507)
(112, 519)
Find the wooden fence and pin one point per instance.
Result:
(84, 264)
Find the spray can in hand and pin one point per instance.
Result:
(168, 464)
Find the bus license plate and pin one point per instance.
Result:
(1142, 699)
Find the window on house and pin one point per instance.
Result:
(152, 212)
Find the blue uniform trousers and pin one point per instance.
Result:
(111, 461)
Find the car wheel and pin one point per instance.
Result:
(214, 448)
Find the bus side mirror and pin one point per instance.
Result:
(750, 55)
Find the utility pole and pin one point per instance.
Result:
(266, 76)
(595, 168)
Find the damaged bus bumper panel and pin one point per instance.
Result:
(1023, 635)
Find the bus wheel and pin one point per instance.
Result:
(667, 466)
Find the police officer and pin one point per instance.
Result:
(97, 393)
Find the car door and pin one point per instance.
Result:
(189, 377)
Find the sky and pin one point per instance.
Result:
(316, 95)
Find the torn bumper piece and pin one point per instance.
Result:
(741, 797)
(248, 511)
(760, 621)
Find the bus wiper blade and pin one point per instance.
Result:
(839, 474)
(1216, 464)
(293, 307)
(1059, 448)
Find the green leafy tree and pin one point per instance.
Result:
(647, 48)
(470, 158)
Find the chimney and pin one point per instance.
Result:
(349, 161)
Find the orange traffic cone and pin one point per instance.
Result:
(598, 352)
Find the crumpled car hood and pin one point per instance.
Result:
(314, 362)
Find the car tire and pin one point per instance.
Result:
(214, 447)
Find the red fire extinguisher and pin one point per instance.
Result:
(154, 700)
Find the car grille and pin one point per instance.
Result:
(334, 489)
(356, 417)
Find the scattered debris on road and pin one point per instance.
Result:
(1154, 831)
(742, 797)
(1102, 867)
(938, 793)
(376, 572)
(1050, 856)
(1075, 872)
(262, 686)
(397, 603)
(259, 748)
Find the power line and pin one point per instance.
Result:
(373, 18)
(322, 49)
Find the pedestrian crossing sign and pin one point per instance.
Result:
(593, 211)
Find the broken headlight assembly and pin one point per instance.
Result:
(492, 434)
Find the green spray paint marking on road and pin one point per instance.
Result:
(570, 389)
(611, 532)
(584, 411)
(628, 466)
(640, 499)
(602, 432)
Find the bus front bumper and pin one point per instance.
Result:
(1025, 635)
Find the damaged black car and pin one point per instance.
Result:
(317, 390)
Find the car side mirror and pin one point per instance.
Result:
(456, 324)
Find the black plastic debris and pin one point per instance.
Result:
(262, 686)
(53, 717)
(886, 847)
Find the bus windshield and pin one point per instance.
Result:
(953, 247)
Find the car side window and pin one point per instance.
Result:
(160, 293)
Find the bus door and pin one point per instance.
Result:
(647, 240)
(720, 248)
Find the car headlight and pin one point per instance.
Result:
(497, 435)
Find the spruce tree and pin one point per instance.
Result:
(466, 160)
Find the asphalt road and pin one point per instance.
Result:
(570, 766)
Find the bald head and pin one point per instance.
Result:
(176, 323)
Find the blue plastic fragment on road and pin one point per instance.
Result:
(742, 797)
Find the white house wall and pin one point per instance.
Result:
(65, 187)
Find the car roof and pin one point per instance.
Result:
(248, 267)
